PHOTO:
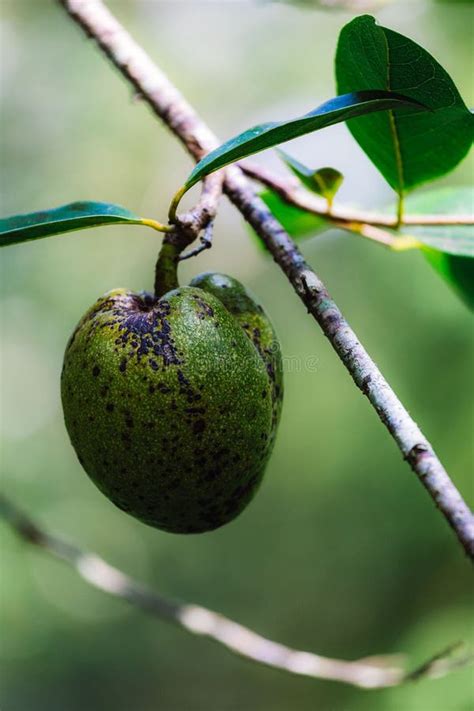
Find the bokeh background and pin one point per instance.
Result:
(342, 552)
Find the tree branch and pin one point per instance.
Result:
(369, 673)
(180, 117)
(290, 190)
(203, 213)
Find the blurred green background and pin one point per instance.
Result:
(342, 552)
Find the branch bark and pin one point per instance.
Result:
(171, 107)
(290, 191)
(369, 673)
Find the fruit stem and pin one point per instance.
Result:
(166, 270)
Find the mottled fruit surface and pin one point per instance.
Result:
(172, 404)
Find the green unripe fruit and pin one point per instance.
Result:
(172, 403)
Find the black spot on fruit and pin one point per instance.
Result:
(179, 429)
(199, 426)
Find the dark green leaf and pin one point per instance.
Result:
(325, 181)
(75, 216)
(268, 135)
(449, 249)
(414, 147)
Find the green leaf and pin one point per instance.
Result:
(457, 271)
(298, 223)
(412, 148)
(268, 135)
(75, 216)
(325, 181)
(449, 249)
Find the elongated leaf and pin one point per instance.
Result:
(415, 147)
(449, 249)
(268, 135)
(325, 181)
(75, 216)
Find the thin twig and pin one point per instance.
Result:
(369, 673)
(398, 243)
(180, 117)
(206, 243)
(290, 190)
(448, 659)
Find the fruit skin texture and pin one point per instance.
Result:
(172, 404)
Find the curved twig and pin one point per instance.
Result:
(290, 190)
(369, 674)
(205, 243)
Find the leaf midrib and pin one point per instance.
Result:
(394, 129)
